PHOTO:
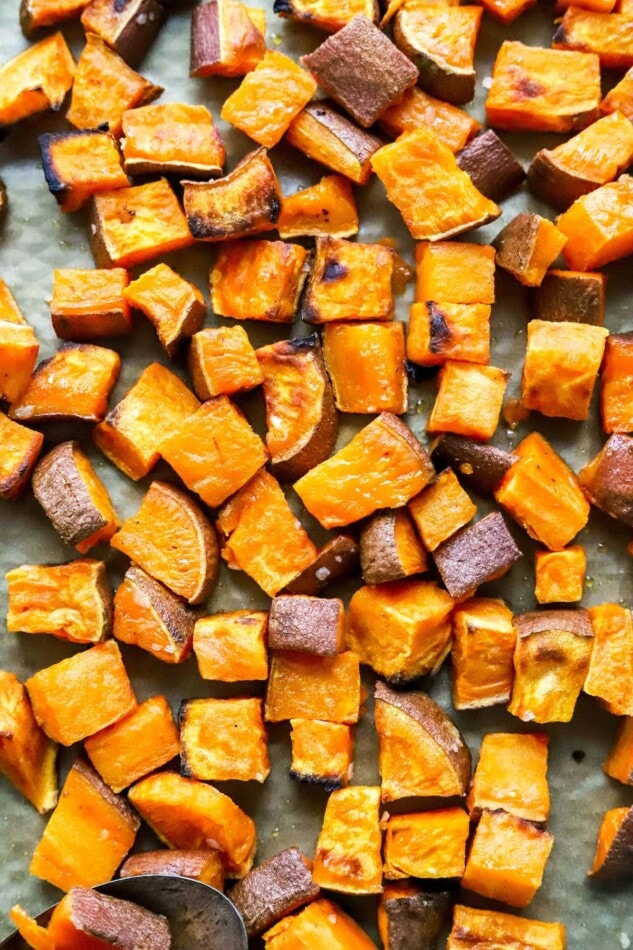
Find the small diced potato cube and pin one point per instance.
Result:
(560, 575)
(223, 740)
(441, 509)
(469, 400)
(222, 361)
(321, 752)
(231, 647)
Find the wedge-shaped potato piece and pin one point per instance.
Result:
(105, 87)
(129, 27)
(261, 535)
(73, 384)
(616, 399)
(304, 686)
(409, 916)
(140, 743)
(38, 14)
(598, 226)
(90, 304)
(607, 480)
(494, 170)
(610, 676)
(231, 647)
(321, 753)
(186, 813)
(469, 399)
(401, 629)
(132, 225)
(321, 923)
(172, 539)
(441, 509)
(511, 774)
(619, 762)
(453, 126)
(18, 347)
(436, 198)
(620, 98)
(551, 661)
(330, 15)
(306, 624)
(36, 80)
(73, 497)
(448, 331)
(85, 917)
(527, 246)
(131, 433)
(273, 890)
(149, 616)
(337, 559)
(475, 555)
(205, 866)
(489, 929)
(327, 208)
(607, 34)
(349, 281)
(222, 361)
(560, 575)
(348, 850)
(325, 135)
(440, 41)
(390, 549)
(172, 139)
(571, 296)
(361, 69)
(479, 467)
(174, 306)
(71, 601)
(246, 201)
(482, 653)
(258, 280)
(366, 362)
(543, 90)
(88, 835)
(78, 164)
(300, 413)
(421, 750)
(20, 450)
(430, 844)
(223, 740)
(27, 755)
(383, 466)
(542, 493)
(225, 40)
(614, 849)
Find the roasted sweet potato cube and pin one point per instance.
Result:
(223, 361)
(88, 835)
(105, 87)
(482, 653)
(326, 14)
(493, 169)
(598, 226)
(223, 740)
(607, 479)
(36, 80)
(480, 467)
(348, 850)
(78, 164)
(321, 753)
(409, 916)
(610, 675)
(453, 126)
(572, 296)
(306, 624)
(132, 225)
(543, 90)
(527, 246)
(149, 616)
(71, 601)
(269, 98)
(20, 450)
(441, 509)
(606, 34)
(440, 42)
(225, 40)
(616, 378)
(619, 762)
(86, 917)
(90, 304)
(507, 859)
(349, 281)
(560, 575)
(326, 136)
(132, 431)
(383, 466)
(551, 660)
(186, 813)
(173, 305)
(511, 774)
(231, 647)
(274, 889)
(27, 755)
(172, 539)
(542, 493)
(73, 497)
(430, 844)
(614, 849)
(421, 751)
(303, 686)
(18, 347)
(439, 332)
(327, 208)
(337, 559)
(475, 555)
(129, 27)
(35, 15)
(321, 921)
(455, 272)
(469, 399)
(423, 180)
(490, 928)
(172, 139)
(205, 866)
(73, 384)
(390, 549)
(401, 629)
(244, 202)
(140, 743)
(258, 280)
(620, 98)
(366, 362)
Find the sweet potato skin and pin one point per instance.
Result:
(205, 866)
(336, 560)
(274, 889)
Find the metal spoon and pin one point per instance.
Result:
(200, 918)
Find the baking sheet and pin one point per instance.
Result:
(37, 238)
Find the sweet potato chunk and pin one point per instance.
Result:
(306, 624)
(78, 164)
(607, 34)
(172, 139)
(571, 296)
(27, 755)
(136, 745)
(430, 844)
(383, 466)
(409, 916)
(36, 80)
(366, 362)
(619, 762)
(223, 740)
(616, 404)
(421, 750)
(476, 554)
(149, 616)
(330, 15)
(614, 849)
(90, 304)
(275, 889)
(607, 480)
(73, 384)
(304, 686)
(527, 246)
(560, 575)
(129, 27)
(479, 467)
(599, 226)
(401, 629)
(551, 660)
(620, 98)
(38, 14)
(327, 208)
(132, 431)
(20, 449)
(610, 676)
(448, 331)
(172, 539)
(88, 919)
(441, 509)
(390, 549)
(223, 362)
(489, 929)
(186, 813)
(88, 834)
(174, 306)
(349, 281)
(326, 136)
(225, 40)
(455, 272)
(469, 399)
(231, 647)
(511, 774)
(323, 922)
(321, 753)
(453, 126)
(258, 280)
(347, 857)
(493, 169)
(71, 601)
(18, 347)
(261, 535)
(482, 653)
(336, 560)
(205, 866)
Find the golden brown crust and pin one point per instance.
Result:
(536, 621)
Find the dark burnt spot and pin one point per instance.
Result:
(303, 343)
(328, 783)
(418, 374)
(334, 270)
(528, 88)
(201, 228)
(282, 7)
(547, 654)
(578, 755)
(439, 332)
(274, 209)
(120, 5)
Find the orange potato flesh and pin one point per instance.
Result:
(80, 164)
(616, 384)
(36, 14)
(322, 924)
(619, 762)
(231, 647)
(100, 499)
(599, 153)
(223, 361)
(303, 686)
(599, 226)
(507, 10)
(321, 752)
(236, 42)
(455, 272)
(366, 364)
(620, 98)
(490, 929)
(350, 281)
(441, 509)
(18, 353)
(173, 137)
(20, 449)
(607, 34)
(447, 33)
(560, 575)
(330, 15)
(469, 400)
(609, 828)
(325, 208)
(347, 856)
(453, 126)
(610, 675)
(512, 774)
(172, 304)
(482, 653)
(36, 80)
(447, 331)
(149, 616)
(224, 740)
(89, 304)
(429, 845)
(335, 142)
(258, 280)
(27, 755)
(34, 936)
(550, 667)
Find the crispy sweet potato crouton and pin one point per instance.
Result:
(390, 548)
(20, 450)
(480, 467)
(366, 363)
(572, 296)
(87, 917)
(489, 929)
(205, 866)
(614, 849)
(321, 753)
(222, 361)
(38, 14)
(411, 916)
(306, 624)
(79, 164)
(598, 226)
(322, 921)
(349, 281)
(560, 575)
(18, 347)
(149, 616)
(274, 889)
(469, 399)
(327, 208)
(512, 774)
(430, 844)
(330, 15)
(476, 554)
(494, 170)
(304, 686)
(337, 559)
(607, 479)
(611, 664)
(619, 762)
(441, 509)
(527, 246)
(616, 404)
(36, 80)
(452, 126)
